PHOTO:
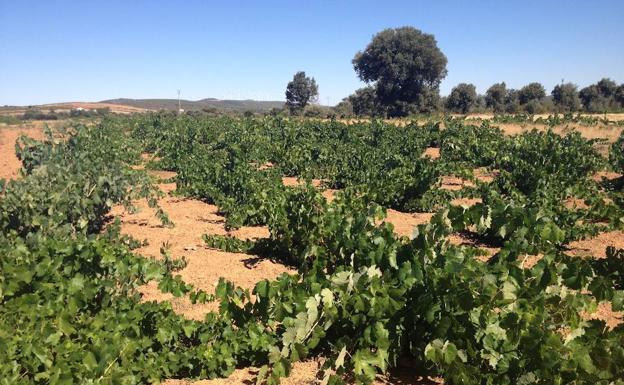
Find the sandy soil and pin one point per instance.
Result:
(454, 183)
(607, 133)
(484, 175)
(292, 181)
(465, 201)
(612, 116)
(605, 175)
(596, 247)
(605, 312)
(9, 164)
(303, 373)
(404, 223)
(205, 266)
(431, 152)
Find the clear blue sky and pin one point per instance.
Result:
(52, 51)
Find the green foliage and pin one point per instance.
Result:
(545, 162)
(512, 102)
(531, 92)
(69, 310)
(619, 95)
(603, 96)
(406, 67)
(477, 145)
(363, 298)
(228, 243)
(616, 154)
(300, 91)
(365, 103)
(565, 96)
(462, 99)
(495, 97)
(344, 109)
(9, 120)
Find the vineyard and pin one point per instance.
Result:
(510, 303)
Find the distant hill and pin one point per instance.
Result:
(68, 106)
(190, 105)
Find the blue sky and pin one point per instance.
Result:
(52, 51)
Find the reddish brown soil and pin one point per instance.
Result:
(596, 247)
(605, 312)
(529, 260)
(9, 164)
(454, 183)
(574, 203)
(484, 175)
(465, 201)
(205, 266)
(431, 152)
(294, 181)
(605, 175)
(404, 223)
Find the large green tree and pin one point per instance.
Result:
(531, 97)
(565, 97)
(619, 95)
(606, 87)
(364, 102)
(600, 97)
(405, 66)
(462, 98)
(300, 91)
(512, 101)
(344, 109)
(532, 91)
(495, 97)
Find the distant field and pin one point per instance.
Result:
(609, 116)
(66, 107)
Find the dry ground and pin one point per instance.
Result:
(9, 164)
(610, 116)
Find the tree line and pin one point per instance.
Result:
(403, 68)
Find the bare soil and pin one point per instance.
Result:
(9, 164)
(431, 152)
(596, 247)
(404, 223)
(192, 219)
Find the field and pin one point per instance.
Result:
(66, 107)
(191, 249)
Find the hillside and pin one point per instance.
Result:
(67, 106)
(190, 105)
